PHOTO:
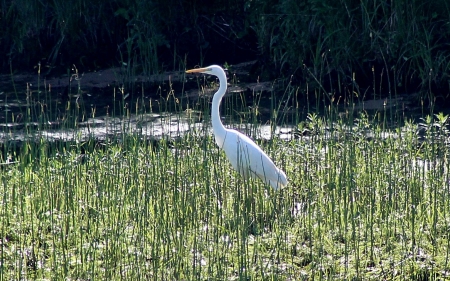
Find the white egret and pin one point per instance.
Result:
(244, 154)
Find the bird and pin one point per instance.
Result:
(244, 154)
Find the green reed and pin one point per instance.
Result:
(365, 201)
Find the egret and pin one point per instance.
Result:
(245, 155)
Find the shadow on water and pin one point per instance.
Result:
(97, 105)
(104, 105)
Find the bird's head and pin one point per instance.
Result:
(212, 70)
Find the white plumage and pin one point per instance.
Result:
(244, 154)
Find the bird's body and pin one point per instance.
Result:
(245, 155)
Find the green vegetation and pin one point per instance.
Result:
(405, 42)
(365, 201)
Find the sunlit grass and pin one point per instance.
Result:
(356, 207)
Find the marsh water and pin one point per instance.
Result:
(105, 104)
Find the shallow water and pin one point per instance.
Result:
(78, 106)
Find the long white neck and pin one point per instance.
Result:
(218, 128)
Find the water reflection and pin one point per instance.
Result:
(155, 126)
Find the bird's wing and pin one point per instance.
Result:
(250, 160)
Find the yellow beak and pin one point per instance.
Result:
(197, 70)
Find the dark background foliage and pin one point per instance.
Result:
(405, 42)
